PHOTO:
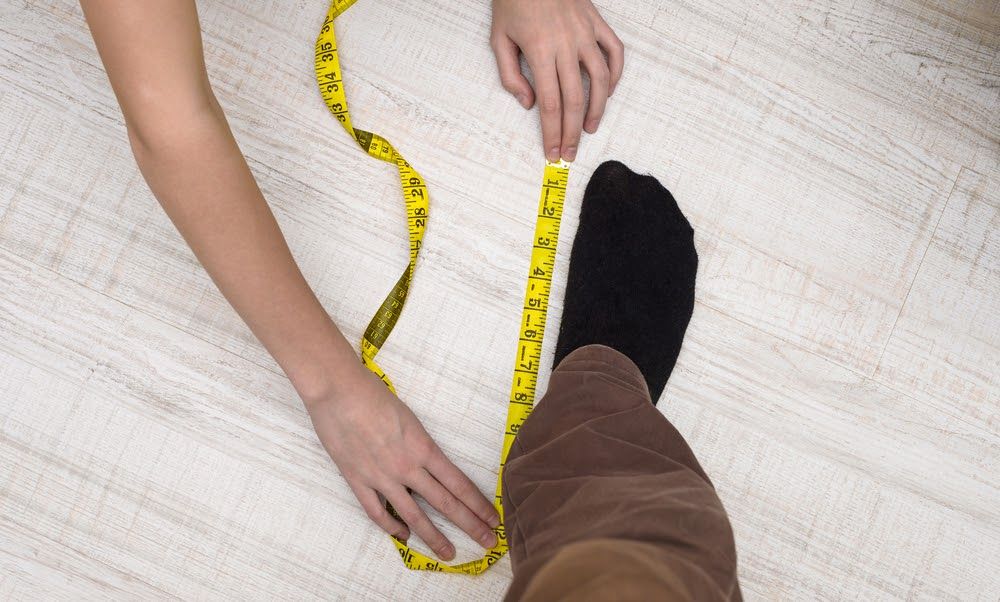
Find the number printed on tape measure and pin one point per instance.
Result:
(329, 78)
(535, 308)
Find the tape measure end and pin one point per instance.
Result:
(560, 164)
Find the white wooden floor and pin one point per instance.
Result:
(840, 381)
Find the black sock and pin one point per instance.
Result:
(631, 273)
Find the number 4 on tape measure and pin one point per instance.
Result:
(536, 297)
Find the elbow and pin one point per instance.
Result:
(161, 125)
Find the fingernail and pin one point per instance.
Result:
(591, 126)
(488, 540)
(447, 552)
(553, 154)
(523, 99)
(495, 521)
(570, 153)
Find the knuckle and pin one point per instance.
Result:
(538, 48)
(602, 77)
(574, 102)
(550, 104)
(376, 513)
(410, 515)
(510, 83)
(617, 44)
(437, 455)
(401, 465)
(448, 505)
(423, 449)
(465, 489)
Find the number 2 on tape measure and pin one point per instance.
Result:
(329, 77)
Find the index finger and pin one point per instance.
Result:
(449, 505)
(416, 520)
(462, 487)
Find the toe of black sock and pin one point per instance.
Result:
(631, 274)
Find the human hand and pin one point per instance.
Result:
(381, 448)
(556, 37)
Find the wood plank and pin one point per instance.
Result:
(799, 449)
(807, 530)
(838, 486)
(808, 225)
(835, 292)
(808, 403)
(945, 347)
(926, 70)
(149, 447)
(138, 447)
(34, 567)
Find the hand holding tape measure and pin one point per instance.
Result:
(556, 37)
(538, 287)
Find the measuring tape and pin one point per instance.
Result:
(536, 296)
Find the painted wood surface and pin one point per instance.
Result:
(840, 162)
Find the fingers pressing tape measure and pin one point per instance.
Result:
(536, 298)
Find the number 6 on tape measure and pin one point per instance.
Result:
(536, 298)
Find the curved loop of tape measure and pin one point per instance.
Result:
(330, 79)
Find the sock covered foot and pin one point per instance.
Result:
(631, 273)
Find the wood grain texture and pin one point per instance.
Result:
(945, 346)
(173, 462)
(924, 70)
(838, 485)
(839, 162)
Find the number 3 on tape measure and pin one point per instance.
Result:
(536, 297)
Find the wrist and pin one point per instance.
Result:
(328, 383)
(327, 372)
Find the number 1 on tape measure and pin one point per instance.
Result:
(536, 304)
(329, 77)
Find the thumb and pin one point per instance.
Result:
(511, 77)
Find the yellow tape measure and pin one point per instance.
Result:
(536, 298)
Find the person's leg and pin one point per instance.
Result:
(603, 499)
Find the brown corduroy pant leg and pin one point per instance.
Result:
(604, 500)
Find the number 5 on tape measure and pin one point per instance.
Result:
(536, 298)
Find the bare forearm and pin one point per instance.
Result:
(202, 181)
(152, 51)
